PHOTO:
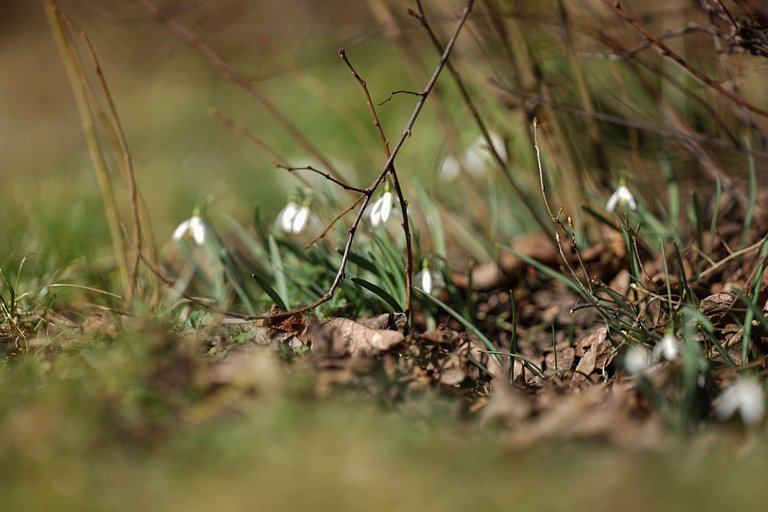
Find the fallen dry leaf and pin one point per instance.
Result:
(390, 321)
(598, 355)
(340, 337)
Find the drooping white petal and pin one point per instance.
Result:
(621, 197)
(194, 226)
(498, 145)
(429, 280)
(449, 170)
(668, 348)
(375, 214)
(386, 206)
(286, 215)
(636, 360)
(300, 220)
(746, 396)
(627, 198)
(752, 404)
(475, 160)
(425, 278)
(181, 230)
(198, 229)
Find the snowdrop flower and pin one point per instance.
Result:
(382, 208)
(449, 169)
(498, 145)
(475, 160)
(479, 155)
(429, 280)
(195, 226)
(622, 198)
(668, 348)
(294, 218)
(744, 395)
(636, 359)
(285, 217)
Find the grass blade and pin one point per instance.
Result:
(379, 293)
(278, 272)
(270, 291)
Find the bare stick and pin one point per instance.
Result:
(387, 166)
(333, 222)
(400, 91)
(245, 132)
(502, 165)
(646, 43)
(395, 181)
(740, 111)
(511, 94)
(81, 89)
(217, 62)
(666, 51)
(130, 176)
(321, 173)
(556, 218)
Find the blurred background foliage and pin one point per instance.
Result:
(603, 117)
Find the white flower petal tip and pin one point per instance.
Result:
(621, 198)
(667, 348)
(375, 213)
(430, 281)
(198, 229)
(449, 170)
(744, 395)
(636, 360)
(475, 161)
(180, 230)
(294, 219)
(195, 226)
(386, 206)
(300, 220)
(285, 217)
(382, 209)
(498, 145)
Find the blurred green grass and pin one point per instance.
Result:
(71, 438)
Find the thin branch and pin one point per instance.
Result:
(556, 218)
(502, 165)
(400, 91)
(245, 132)
(218, 63)
(395, 181)
(130, 175)
(666, 51)
(323, 174)
(509, 92)
(647, 43)
(387, 166)
(87, 111)
(740, 111)
(333, 222)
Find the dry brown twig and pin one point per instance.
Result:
(325, 175)
(218, 63)
(92, 119)
(387, 166)
(556, 219)
(467, 97)
(395, 181)
(666, 51)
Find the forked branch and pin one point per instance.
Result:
(386, 168)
